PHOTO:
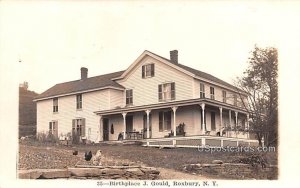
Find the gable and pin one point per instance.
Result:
(147, 54)
(199, 75)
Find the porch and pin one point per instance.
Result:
(195, 120)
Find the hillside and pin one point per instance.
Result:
(27, 112)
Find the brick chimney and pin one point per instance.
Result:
(174, 56)
(84, 73)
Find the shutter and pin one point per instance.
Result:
(73, 127)
(152, 70)
(143, 71)
(56, 128)
(83, 127)
(131, 94)
(173, 91)
(160, 121)
(50, 126)
(159, 92)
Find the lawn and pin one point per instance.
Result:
(39, 155)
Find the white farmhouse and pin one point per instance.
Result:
(157, 100)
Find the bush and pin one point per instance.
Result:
(44, 137)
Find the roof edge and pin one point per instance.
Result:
(77, 92)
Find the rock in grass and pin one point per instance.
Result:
(217, 162)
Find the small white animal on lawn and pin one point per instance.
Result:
(97, 158)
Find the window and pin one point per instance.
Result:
(55, 105)
(78, 127)
(234, 99)
(224, 96)
(166, 92)
(53, 128)
(212, 93)
(165, 121)
(148, 70)
(129, 97)
(202, 91)
(79, 101)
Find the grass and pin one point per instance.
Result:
(163, 158)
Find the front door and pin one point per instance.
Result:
(105, 130)
(129, 123)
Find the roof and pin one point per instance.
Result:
(106, 80)
(82, 85)
(200, 73)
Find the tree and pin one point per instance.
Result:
(260, 82)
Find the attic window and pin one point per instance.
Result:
(79, 101)
(148, 71)
(55, 105)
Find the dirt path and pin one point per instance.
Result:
(170, 174)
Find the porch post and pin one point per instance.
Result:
(228, 133)
(203, 119)
(221, 120)
(174, 108)
(230, 119)
(100, 126)
(148, 123)
(248, 134)
(124, 124)
(236, 122)
(236, 119)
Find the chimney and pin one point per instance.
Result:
(84, 73)
(174, 56)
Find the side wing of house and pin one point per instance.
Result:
(66, 115)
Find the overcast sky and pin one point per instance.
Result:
(50, 41)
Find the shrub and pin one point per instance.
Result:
(44, 137)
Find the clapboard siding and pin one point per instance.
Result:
(145, 91)
(218, 93)
(116, 98)
(91, 102)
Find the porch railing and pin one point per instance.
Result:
(200, 141)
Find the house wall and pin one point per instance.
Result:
(145, 91)
(91, 102)
(117, 121)
(116, 98)
(218, 93)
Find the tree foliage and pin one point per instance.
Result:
(260, 82)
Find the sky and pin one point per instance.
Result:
(50, 41)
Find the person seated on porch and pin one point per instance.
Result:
(179, 130)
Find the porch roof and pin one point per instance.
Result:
(170, 104)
